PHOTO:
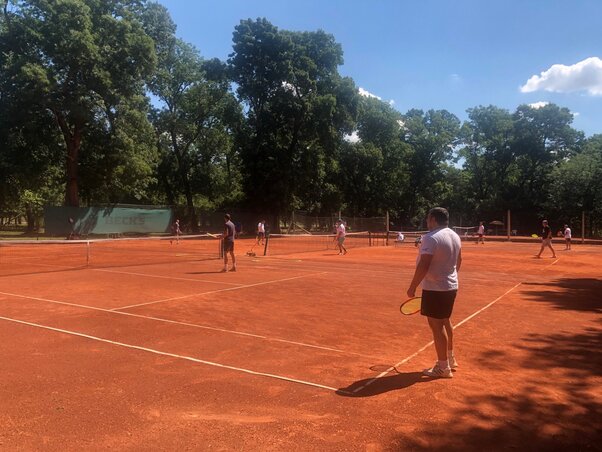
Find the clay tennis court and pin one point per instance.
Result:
(302, 351)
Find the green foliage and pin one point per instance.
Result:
(101, 97)
(298, 110)
(80, 60)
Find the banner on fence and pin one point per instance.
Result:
(106, 220)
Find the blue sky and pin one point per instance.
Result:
(452, 54)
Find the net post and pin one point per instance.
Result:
(265, 248)
(87, 253)
(582, 226)
(509, 223)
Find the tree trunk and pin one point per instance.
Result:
(72, 195)
(73, 141)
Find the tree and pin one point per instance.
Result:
(432, 137)
(375, 172)
(489, 158)
(80, 60)
(196, 120)
(543, 137)
(577, 185)
(298, 108)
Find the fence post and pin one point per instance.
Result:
(387, 228)
(583, 226)
(509, 223)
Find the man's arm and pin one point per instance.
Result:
(459, 261)
(421, 270)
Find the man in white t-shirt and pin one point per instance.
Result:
(260, 232)
(340, 238)
(567, 237)
(481, 233)
(437, 269)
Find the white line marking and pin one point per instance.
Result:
(403, 361)
(193, 325)
(486, 306)
(165, 277)
(216, 291)
(172, 355)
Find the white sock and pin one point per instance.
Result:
(450, 354)
(443, 364)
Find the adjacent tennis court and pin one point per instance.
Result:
(117, 344)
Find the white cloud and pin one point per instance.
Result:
(366, 93)
(353, 138)
(538, 105)
(585, 75)
(391, 102)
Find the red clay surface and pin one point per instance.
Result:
(292, 352)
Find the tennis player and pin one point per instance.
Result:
(260, 232)
(228, 239)
(567, 237)
(437, 269)
(340, 238)
(546, 239)
(481, 233)
(175, 230)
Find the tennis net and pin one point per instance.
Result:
(408, 236)
(465, 231)
(38, 256)
(303, 243)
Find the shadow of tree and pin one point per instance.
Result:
(559, 409)
(579, 294)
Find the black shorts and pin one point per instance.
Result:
(438, 305)
(228, 246)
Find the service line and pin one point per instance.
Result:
(171, 355)
(217, 291)
(193, 325)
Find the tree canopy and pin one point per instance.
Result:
(101, 102)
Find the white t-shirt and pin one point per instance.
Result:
(400, 237)
(567, 233)
(260, 227)
(341, 230)
(481, 230)
(444, 245)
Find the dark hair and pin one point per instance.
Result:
(440, 215)
(227, 216)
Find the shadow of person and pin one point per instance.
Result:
(369, 387)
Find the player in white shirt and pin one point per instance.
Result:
(567, 237)
(260, 232)
(481, 233)
(437, 269)
(340, 238)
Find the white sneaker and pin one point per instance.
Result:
(453, 364)
(438, 372)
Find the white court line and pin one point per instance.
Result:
(193, 325)
(165, 277)
(403, 361)
(172, 355)
(216, 291)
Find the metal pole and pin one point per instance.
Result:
(509, 223)
(583, 226)
(387, 228)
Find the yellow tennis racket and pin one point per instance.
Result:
(411, 306)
